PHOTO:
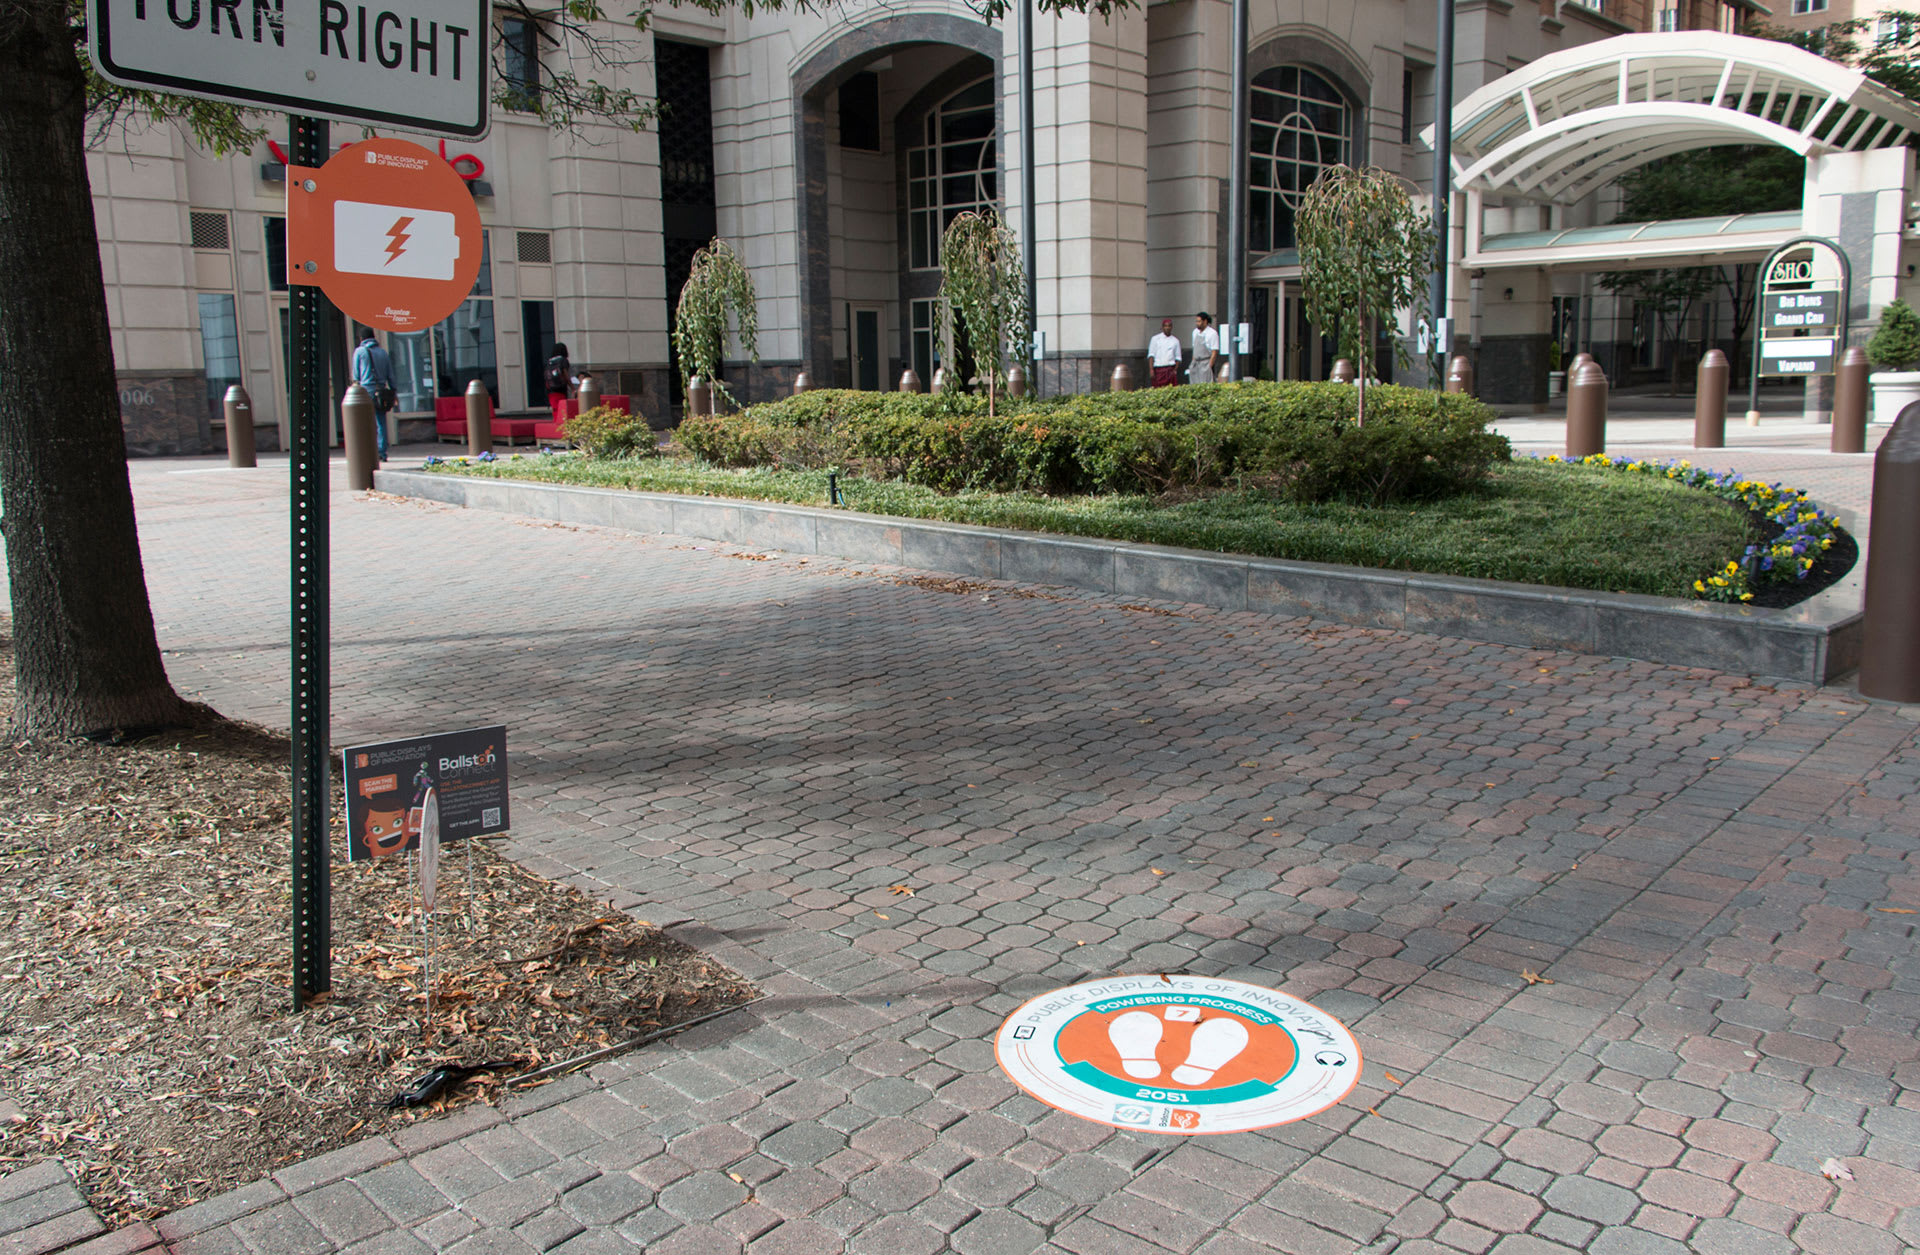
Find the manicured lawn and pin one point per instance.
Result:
(1537, 524)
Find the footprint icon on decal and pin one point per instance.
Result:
(1215, 1043)
(1136, 1035)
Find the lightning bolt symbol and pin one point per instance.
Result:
(398, 234)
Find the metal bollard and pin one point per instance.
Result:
(941, 379)
(479, 419)
(1587, 411)
(589, 392)
(802, 382)
(909, 380)
(356, 421)
(1016, 382)
(1342, 372)
(1710, 401)
(1122, 380)
(239, 408)
(1890, 648)
(699, 397)
(1850, 402)
(1460, 376)
(1579, 360)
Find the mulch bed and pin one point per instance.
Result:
(146, 1032)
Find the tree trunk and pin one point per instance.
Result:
(85, 655)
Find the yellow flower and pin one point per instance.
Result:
(1746, 596)
(1717, 582)
(1698, 587)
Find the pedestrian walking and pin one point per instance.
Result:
(559, 377)
(1206, 349)
(373, 370)
(1163, 356)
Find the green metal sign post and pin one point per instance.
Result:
(312, 891)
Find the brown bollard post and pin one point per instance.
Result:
(589, 392)
(1342, 372)
(909, 380)
(479, 419)
(1016, 382)
(239, 407)
(1850, 402)
(1460, 376)
(1890, 648)
(1587, 411)
(802, 382)
(1122, 380)
(1710, 401)
(1579, 360)
(699, 397)
(356, 422)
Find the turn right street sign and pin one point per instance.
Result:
(416, 64)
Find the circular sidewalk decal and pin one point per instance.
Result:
(1178, 1054)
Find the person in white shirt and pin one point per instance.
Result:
(1206, 349)
(1163, 355)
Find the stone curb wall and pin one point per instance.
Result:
(1812, 642)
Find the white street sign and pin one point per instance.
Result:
(420, 65)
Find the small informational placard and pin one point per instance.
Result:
(1178, 1054)
(388, 788)
(1798, 311)
(1812, 355)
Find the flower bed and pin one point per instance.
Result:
(1803, 531)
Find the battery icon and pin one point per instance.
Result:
(394, 240)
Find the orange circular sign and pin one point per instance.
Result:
(387, 230)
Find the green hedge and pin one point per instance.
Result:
(1297, 438)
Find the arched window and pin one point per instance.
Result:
(953, 170)
(1301, 124)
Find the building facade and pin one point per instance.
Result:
(831, 149)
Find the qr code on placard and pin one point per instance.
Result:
(489, 817)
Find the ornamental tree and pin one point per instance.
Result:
(718, 296)
(984, 287)
(1365, 253)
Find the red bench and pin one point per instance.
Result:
(619, 402)
(450, 422)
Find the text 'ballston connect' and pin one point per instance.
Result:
(347, 32)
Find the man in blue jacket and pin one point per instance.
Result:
(373, 370)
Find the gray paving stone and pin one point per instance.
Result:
(763, 769)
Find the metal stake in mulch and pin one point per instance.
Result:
(428, 856)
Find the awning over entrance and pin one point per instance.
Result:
(1559, 128)
(1629, 245)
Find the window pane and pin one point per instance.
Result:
(276, 254)
(980, 94)
(412, 356)
(962, 158)
(220, 346)
(976, 125)
(520, 64)
(464, 351)
(483, 286)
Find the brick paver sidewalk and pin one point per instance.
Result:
(1394, 826)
